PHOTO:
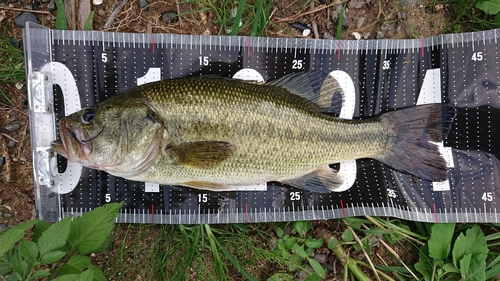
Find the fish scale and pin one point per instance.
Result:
(376, 76)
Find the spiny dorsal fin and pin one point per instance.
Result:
(316, 86)
(201, 154)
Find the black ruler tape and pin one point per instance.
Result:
(461, 69)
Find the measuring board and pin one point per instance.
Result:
(69, 70)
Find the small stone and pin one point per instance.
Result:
(7, 216)
(345, 22)
(386, 27)
(399, 25)
(404, 15)
(12, 127)
(356, 35)
(11, 143)
(367, 36)
(25, 17)
(45, 1)
(320, 258)
(2, 162)
(360, 22)
(1, 201)
(51, 6)
(410, 31)
(2, 226)
(334, 16)
(13, 118)
(329, 25)
(410, 3)
(25, 103)
(380, 35)
(15, 159)
(101, 12)
(37, 5)
(169, 16)
(327, 35)
(143, 4)
(1, 213)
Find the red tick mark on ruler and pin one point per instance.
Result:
(246, 212)
(248, 47)
(435, 212)
(342, 207)
(152, 213)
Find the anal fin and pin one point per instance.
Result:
(321, 180)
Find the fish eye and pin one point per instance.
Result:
(87, 116)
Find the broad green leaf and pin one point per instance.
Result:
(302, 227)
(280, 233)
(440, 241)
(29, 250)
(40, 274)
(424, 264)
(20, 265)
(295, 262)
(290, 242)
(98, 274)
(473, 267)
(40, 227)
(84, 276)
(52, 257)
(5, 269)
(317, 267)
(89, 231)
(299, 251)
(333, 243)
(449, 267)
(347, 235)
(314, 243)
(281, 277)
(54, 237)
(473, 242)
(75, 265)
(313, 277)
(490, 7)
(12, 235)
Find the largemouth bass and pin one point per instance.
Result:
(212, 133)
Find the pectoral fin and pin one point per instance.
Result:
(321, 180)
(202, 154)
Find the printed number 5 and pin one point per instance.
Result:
(487, 196)
(104, 57)
(107, 198)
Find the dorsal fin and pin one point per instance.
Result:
(316, 86)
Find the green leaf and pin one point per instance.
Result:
(290, 242)
(20, 265)
(473, 242)
(89, 231)
(490, 7)
(75, 265)
(40, 227)
(29, 250)
(281, 277)
(317, 267)
(299, 251)
(40, 274)
(52, 257)
(333, 243)
(280, 233)
(89, 21)
(313, 277)
(314, 243)
(84, 276)
(473, 267)
(302, 227)
(347, 235)
(5, 269)
(12, 235)
(55, 236)
(61, 16)
(98, 274)
(295, 263)
(440, 241)
(424, 265)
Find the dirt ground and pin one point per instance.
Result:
(392, 18)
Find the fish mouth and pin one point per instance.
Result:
(74, 144)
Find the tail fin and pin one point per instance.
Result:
(411, 132)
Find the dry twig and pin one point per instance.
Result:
(114, 13)
(24, 10)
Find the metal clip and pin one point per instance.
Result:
(43, 158)
(41, 93)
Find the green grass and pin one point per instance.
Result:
(471, 15)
